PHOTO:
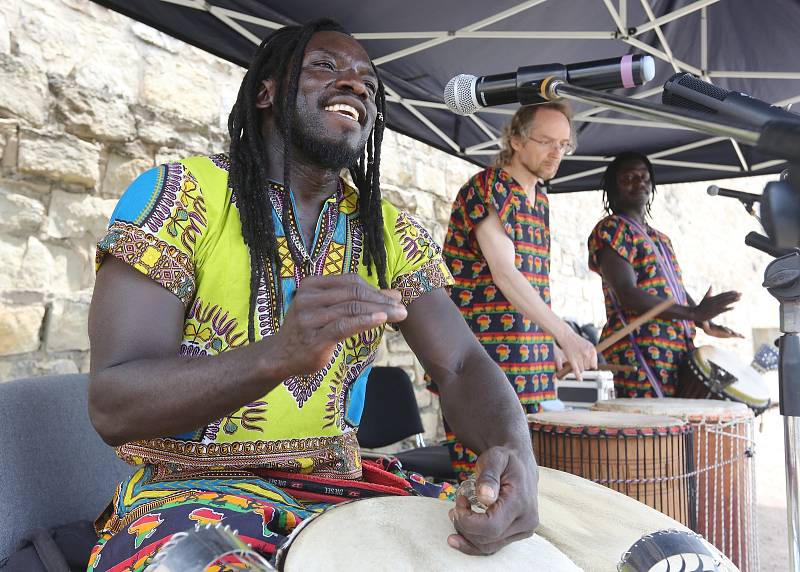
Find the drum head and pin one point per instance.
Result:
(594, 525)
(749, 387)
(602, 419)
(691, 410)
(405, 533)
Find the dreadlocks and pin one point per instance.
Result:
(280, 57)
(609, 181)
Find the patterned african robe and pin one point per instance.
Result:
(522, 350)
(662, 343)
(179, 225)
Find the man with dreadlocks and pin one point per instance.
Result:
(239, 303)
(639, 270)
(498, 250)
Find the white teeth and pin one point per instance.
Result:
(346, 110)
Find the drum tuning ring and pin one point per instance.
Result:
(749, 452)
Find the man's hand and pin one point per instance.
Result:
(579, 352)
(718, 331)
(508, 486)
(712, 306)
(327, 310)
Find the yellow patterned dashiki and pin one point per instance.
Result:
(179, 225)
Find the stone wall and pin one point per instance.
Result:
(90, 98)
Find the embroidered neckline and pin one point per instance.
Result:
(308, 264)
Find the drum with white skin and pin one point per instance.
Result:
(714, 373)
(584, 526)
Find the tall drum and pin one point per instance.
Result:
(723, 458)
(642, 456)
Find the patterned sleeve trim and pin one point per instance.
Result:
(430, 276)
(156, 259)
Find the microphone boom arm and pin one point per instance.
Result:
(554, 88)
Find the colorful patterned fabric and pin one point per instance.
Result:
(662, 343)
(179, 225)
(522, 350)
(263, 513)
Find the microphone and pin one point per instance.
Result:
(465, 94)
(690, 92)
(714, 190)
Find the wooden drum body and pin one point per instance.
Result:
(645, 457)
(724, 466)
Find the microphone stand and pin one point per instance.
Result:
(780, 138)
(782, 280)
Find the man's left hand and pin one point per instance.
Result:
(717, 331)
(508, 486)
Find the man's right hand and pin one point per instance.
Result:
(327, 310)
(579, 352)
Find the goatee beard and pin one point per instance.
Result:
(327, 154)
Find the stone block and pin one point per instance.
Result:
(24, 91)
(121, 171)
(5, 36)
(22, 215)
(59, 156)
(400, 197)
(92, 115)
(430, 176)
(396, 170)
(52, 268)
(67, 327)
(12, 250)
(154, 37)
(165, 155)
(9, 143)
(425, 208)
(19, 328)
(60, 38)
(441, 211)
(180, 87)
(72, 215)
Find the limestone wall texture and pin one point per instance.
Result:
(89, 99)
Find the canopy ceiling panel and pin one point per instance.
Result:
(418, 45)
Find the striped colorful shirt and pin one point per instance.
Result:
(662, 343)
(521, 349)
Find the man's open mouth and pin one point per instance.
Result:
(343, 109)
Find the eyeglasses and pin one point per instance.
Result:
(563, 147)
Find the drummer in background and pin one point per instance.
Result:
(639, 270)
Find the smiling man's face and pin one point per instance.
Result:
(335, 109)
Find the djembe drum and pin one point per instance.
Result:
(646, 457)
(709, 372)
(583, 526)
(724, 465)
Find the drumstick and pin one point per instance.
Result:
(618, 368)
(619, 334)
